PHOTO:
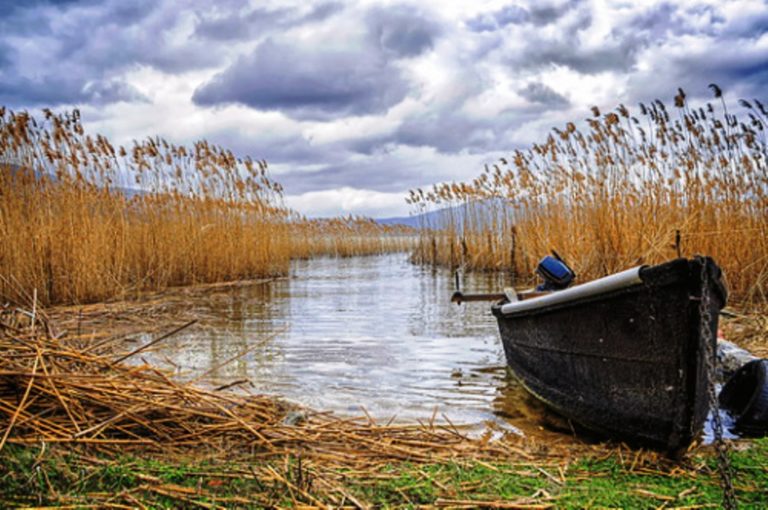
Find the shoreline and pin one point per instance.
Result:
(257, 460)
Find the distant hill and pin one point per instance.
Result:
(410, 221)
(434, 219)
(441, 217)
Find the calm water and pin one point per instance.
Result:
(343, 334)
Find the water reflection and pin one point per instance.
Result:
(341, 334)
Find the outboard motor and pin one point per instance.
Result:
(555, 272)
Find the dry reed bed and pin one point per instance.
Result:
(82, 220)
(615, 194)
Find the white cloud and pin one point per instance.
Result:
(345, 201)
(480, 79)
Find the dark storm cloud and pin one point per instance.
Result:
(22, 91)
(307, 83)
(539, 14)
(488, 22)
(751, 27)
(544, 14)
(617, 52)
(322, 82)
(79, 17)
(373, 173)
(511, 14)
(111, 91)
(321, 12)
(403, 30)
(658, 19)
(11, 6)
(620, 49)
(729, 53)
(78, 48)
(5, 55)
(93, 37)
(740, 71)
(260, 21)
(51, 91)
(448, 132)
(542, 94)
(670, 20)
(284, 148)
(121, 35)
(614, 55)
(563, 47)
(235, 26)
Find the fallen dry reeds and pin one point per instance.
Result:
(60, 389)
(79, 391)
(82, 220)
(79, 394)
(749, 331)
(629, 188)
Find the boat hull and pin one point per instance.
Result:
(627, 361)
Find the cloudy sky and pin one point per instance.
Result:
(354, 103)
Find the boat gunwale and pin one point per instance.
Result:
(594, 288)
(673, 271)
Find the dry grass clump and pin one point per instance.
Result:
(616, 194)
(82, 220)
(749, 331)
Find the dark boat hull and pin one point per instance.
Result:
(629, 362)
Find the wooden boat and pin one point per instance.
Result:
(624, 355)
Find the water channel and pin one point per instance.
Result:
(362, 334)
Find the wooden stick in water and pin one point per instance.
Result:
(153, 342)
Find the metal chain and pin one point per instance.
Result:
(710, 353)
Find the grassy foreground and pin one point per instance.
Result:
(28, 479)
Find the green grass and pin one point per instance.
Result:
(606, 484)
(58, 479)
(588, 483)
(414, 485)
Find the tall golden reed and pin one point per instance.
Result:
(615, 195)
(82, 220)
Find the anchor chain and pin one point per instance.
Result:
(710, 354)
